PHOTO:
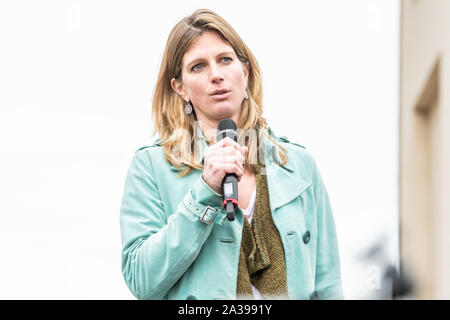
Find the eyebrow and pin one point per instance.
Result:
(198, 59)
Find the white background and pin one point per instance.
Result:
(76, 83)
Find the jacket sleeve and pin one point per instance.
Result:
(156, 251)
(328, 275)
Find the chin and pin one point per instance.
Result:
(226, 109)
(222, 114)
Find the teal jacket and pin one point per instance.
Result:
(178, 244)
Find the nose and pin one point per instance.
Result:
(216, 74)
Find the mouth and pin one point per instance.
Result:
(221, 94)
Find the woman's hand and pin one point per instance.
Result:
(225, 156)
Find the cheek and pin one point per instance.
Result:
(196, 88)
(238, 78)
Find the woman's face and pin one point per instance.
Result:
(209, 65)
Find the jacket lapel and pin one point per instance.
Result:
(284, 182)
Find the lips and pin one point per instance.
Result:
(220, 92)
(219, 96)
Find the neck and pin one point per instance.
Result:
(209, 127)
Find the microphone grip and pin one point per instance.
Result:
(230, 195)
(230, 211)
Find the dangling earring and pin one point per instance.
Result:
(188, 108)
(245, 94)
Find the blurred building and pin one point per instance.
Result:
(425, 146)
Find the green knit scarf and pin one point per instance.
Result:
(261, 258)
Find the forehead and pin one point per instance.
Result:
(208, 43)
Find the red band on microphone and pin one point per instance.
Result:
(235, 202)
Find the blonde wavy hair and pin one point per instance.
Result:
(170, 121)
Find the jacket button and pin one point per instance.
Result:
(306, 237)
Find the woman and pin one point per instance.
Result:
(177, 242)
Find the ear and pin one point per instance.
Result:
(178, 87)
(245, 68)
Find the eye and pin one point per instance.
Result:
(194, 68)
(199, 66)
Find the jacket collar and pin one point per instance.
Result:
(284, 182)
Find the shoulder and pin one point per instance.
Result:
(283, 139)
(293, 148)
(299, 158)
(152, 153)
(152, 149)
(302, 159)
(297, 154)
(296, 151)
(157, 143)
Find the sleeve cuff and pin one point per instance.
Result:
(204, 194)
(205, 203)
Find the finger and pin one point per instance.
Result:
(226, 150)
(227, 159)
(231, 168)
(230, 151)
(227, 141)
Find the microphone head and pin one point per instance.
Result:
(226, 124)
(226, 128)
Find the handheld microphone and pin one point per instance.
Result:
(227, 128)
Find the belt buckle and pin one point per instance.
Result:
(206, 213)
